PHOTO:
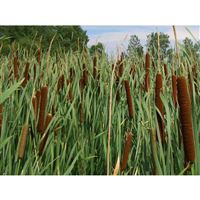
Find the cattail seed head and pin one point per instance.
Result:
(95, 66)
(165, 69)
(147, 72)
(186, 119)
(129, 98)
(26, 75)
(39, 56)
(127, 149)
(43, 103)
(61, 82)
(159, 105)
(22, 143)
(85, 74)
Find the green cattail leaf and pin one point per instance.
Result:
(9, 91)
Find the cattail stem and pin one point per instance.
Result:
(129, 98)
(186, 120)
(22, 143)
(61, 82)
(127, 149)
(85, 75)
(43, 102)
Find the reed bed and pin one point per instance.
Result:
(56, 123)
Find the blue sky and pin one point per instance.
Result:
(115, 38)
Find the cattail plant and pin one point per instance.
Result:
(159, 105)
(165, 69)
(26, 75)
(34, 71)
(186, 120)
(22, 143)
(61, 82)
(95, 66)
(43, 103)
(147, 72)
(85, 74)
(174, 90)
(16, 68)
(127, 149)
(44, 139)
(129, 98)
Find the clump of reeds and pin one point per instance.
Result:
(127, 149)
(129, 98)
(174, 89)
(159, 105)
(43, 103)
(26, 75)
(22, 143)
(44, 139)
(147, 72)
(16, 68)
(186, 120)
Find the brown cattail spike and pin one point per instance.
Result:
(186, 119)
(147, 72)
(39, 56)
(26, 75)
(44, 140)
(43, 102)
(95, 67)
(174, 90)
(61, 82)
(165, 69)
(85, 75)
(16, 68)
(129, 98)
(127, 149)
(22, 143)
(159, 105)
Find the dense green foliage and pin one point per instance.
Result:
(66, 37)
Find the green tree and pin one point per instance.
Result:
(66, 37)
(191, 48)
(152, 44)
(134, 47)
(97, 49)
